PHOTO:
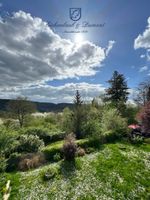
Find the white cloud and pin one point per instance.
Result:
(31, 53)
(63, 93)
(142, 69)
(110, 46)
(143, 40)
(142, 56)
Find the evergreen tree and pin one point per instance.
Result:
(117, 93)
(78, 114)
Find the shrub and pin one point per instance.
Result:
(80, 151)
(92, 128)
(49, 173)
(90, 150)
(30, 161)
(7, 139)
(29, 143)
(45, 135)
(12, 162)
(51, 150)
(69, 148)
(137, 139)
(57, 157)
(112, 121)
(3, 163)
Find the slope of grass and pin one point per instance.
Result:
(117, 171)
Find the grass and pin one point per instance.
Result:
(119, 171)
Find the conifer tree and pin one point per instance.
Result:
(117, 93)
(78, 114)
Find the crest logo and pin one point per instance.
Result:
(75, 14)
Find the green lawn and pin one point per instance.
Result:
(117, 171)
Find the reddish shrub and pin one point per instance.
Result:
(80, 151)
(69, 148)
(30, 161)
(144, 117)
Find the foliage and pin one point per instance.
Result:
(51, 150)
(130, 114)
(112, 120)
(29, 143)
(49, 173)
(20, 108)
(7, 139)
(67, 123)
(78, 115)
(57, 157)
(137, 139)
(118, 90)
(3, 163)
(69, 147)
(80, 151)
(144, 117)
(12, 162)
(44, 134)
(30, 161)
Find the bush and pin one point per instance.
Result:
(30, 161)
(144, 117)
(92, 128)
(80, 151)
(3, 163)
(137, 139)
(113, 122)
(51, 150)
(29, 143)
(57, 157)
(45, 135)
(49, 173)
(69, 148)
(7, 140)
(12, 162)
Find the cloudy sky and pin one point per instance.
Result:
(46, 55)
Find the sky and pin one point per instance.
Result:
(51, 48)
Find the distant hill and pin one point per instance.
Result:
(41, 106)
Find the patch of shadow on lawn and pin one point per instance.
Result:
(68, 169)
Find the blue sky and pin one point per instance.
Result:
(124, 22)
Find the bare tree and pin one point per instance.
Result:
(143, 93)
(20, 108)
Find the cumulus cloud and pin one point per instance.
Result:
(63, 93)
(31, 53)
(143, 40)
(142, 69)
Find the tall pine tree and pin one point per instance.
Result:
(78, 114)
(117, 93)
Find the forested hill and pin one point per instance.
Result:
(40, 106)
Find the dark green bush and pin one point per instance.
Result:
(12, 162)
(57, 157)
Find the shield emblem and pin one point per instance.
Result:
(75, 14)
